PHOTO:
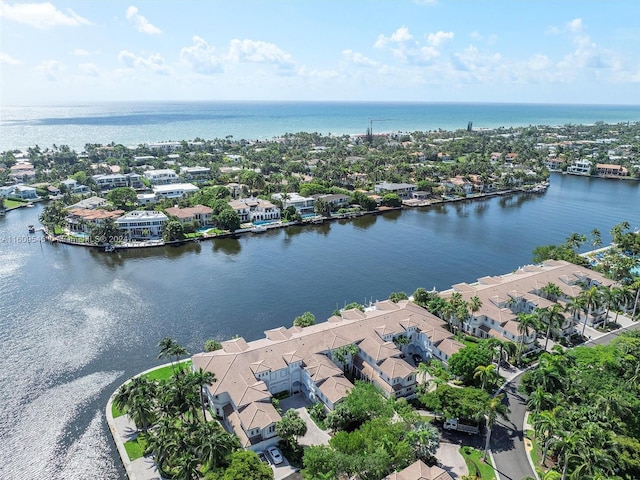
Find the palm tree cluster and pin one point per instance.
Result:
(171, 414)
(585, 410)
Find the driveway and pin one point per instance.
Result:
(449, 459)
(314, 435)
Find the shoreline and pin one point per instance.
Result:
(317, 220)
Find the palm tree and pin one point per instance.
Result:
(551, 291)
(539, 400)
(214, 444)
(136, 398)
(527, 321)
(554, 319)
(474, 305)
(592, 300)
(545, 424)
(200, 379)
(596, 238)
(486, 374)
(493, 409)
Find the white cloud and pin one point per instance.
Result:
(436, 39)
(201, 57)
(154, 62)
(540, 62)
(6, 59)
(359, 59)
(79, 52)
(252, 51)
(89, 69)
(141, 23)
(41, 15)
(50, 69)
(475, 35)
(401, 35)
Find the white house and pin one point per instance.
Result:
(73, 186)
(304, 205)
(196, 174)
(580, 167)
(142, 224)
(161, 177)
(174, 190)
(255, 209)
(24, 192)
(403, 190)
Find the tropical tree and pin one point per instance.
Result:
(551, 291)
(173, 230)
(170, 348)
(245, 465)
(304, 320)
(395, 297)
(554, 319)
(591, 300)
(526, 323)
(424, 440)
(487, 375)
(122, 197)
(201, 379)
(474, 305)
(493, 409)
(212, 345)
(291, 426)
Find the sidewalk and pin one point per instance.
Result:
(123, 430)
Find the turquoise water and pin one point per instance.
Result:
(134, 123)
(263, 222)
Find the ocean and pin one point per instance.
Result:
(76, 125)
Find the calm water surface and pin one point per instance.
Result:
(75, 323)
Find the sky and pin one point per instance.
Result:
(510, 51)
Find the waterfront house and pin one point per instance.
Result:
(174, 190)
(142, 224)
(90, 203)
(554, 163)
(303, 205)
(24, 192)
(255, 210)
(164, 176)
(371, 345)
(336, 200)
(580, 167)
(611, 170)
(198, 213)
(503, 297)
(83, 219)
(403, 190)
(164, 147)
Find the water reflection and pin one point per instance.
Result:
(365, 222)
(228, 246)
(392, 215)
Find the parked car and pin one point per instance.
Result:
(275, 454)
(263, 457)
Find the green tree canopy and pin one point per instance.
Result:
(465, 362)
(304, 320)
(123, 198)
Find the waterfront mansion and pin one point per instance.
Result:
(377, 345)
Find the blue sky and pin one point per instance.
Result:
(530, 51)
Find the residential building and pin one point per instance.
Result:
(90, 203)
(255, 209)
(420, 471)
(175, 190)
(580, 167)
(109, 182)
(196, 174)
(24, 192)
(611, 170)
(197, 213)
(83, 219)
(147, 198)
(164, 176)
(142, 224)
(165, 147)
(74, 187)
(303, 205)
(504, 297)
(403, 190)
(313, 360)
(336, 200)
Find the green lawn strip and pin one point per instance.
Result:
(10, 204)
(162, 373)
(536, 453)
(193, 235)
(476, 465)
(135, 448)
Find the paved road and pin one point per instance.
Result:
(507, 439)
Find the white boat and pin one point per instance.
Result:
(109, 248)
(32, 229)
(259, 229)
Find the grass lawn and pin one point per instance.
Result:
(476, 465)
(135, 448)
(162, 373)
(9, 204)
(536, 453)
